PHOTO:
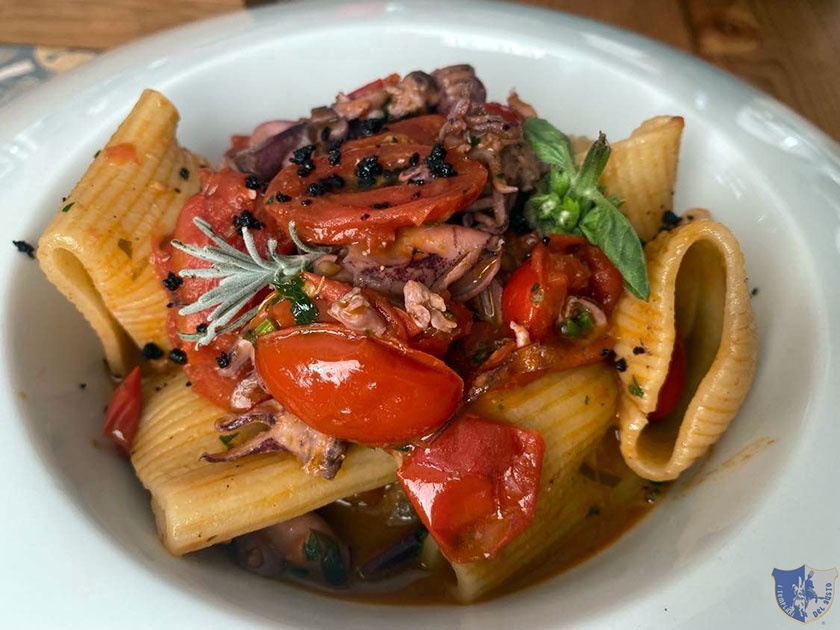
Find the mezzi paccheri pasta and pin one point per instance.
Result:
(412, 306)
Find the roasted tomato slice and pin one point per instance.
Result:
(355, 387)
(123, 413)
(361, 199)
(475, 487)
(227, 204)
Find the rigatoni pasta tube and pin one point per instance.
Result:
(642, 171)
(96, 251)
(197, 503)
(571, 409)
(698, 291)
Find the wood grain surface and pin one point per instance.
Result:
(788, 48)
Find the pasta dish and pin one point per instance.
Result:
(411, 345)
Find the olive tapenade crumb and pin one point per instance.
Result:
(252, 183)
(184, 173)
(367, 170)
(436, 161)
(178, 356)
(172, 282)
(25, 248)
(151, 351)
(621, 365)
(246, 220)
(223, 360)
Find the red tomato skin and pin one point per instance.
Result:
(534, 295)
(123, 413)
(672, 389)
(475, 486)
(348, 217)
(223, 195)
(355, 387)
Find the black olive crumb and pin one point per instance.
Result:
(176, 355)
(151, 351)
(25, 248)
(252, 183)
(172, 282)
(246, 220)
(184, 173)
(381, 205)
(223, 360)
(754, 292)
(639, 350)
(621, 365)
(281, 198)
(305, 202)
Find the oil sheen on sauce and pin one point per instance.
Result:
(375, 520)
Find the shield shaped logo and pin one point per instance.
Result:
(804, 594)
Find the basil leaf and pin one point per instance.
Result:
(610, 230)
(593, 165)
(550, 144)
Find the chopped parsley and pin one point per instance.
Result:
(227, 439)
(302, 307)
(635, 389)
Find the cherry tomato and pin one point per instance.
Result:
(606, 283)
(374, 86)
(355, 387)
(123, 413)
(359, 208)
(536, 292)
(672, 388)
(422, 129)
(224, 197)
(475, 486)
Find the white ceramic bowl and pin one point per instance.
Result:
(81, 549)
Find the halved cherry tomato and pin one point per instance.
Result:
(475, 486)
(374, 86)
(565, 265)
(423, 129)
(672, 388)
(123, 413)
(355, 387)
(223, 196)
(534, 295)
(353, 213)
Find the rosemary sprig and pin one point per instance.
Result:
(243, 275)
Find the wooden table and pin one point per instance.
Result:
(788, 48)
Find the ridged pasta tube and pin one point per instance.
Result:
(698, 291)
(96, 251)
(197, 503)
(642, 171)
(572, 410)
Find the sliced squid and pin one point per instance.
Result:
(698, 291)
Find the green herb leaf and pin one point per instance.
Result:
(303, 309)
(324, 550)
(569, 201)
(635, 389)
(610, 230)
(227, 439)
(550, 144)
(68, 206)
(243, 275)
